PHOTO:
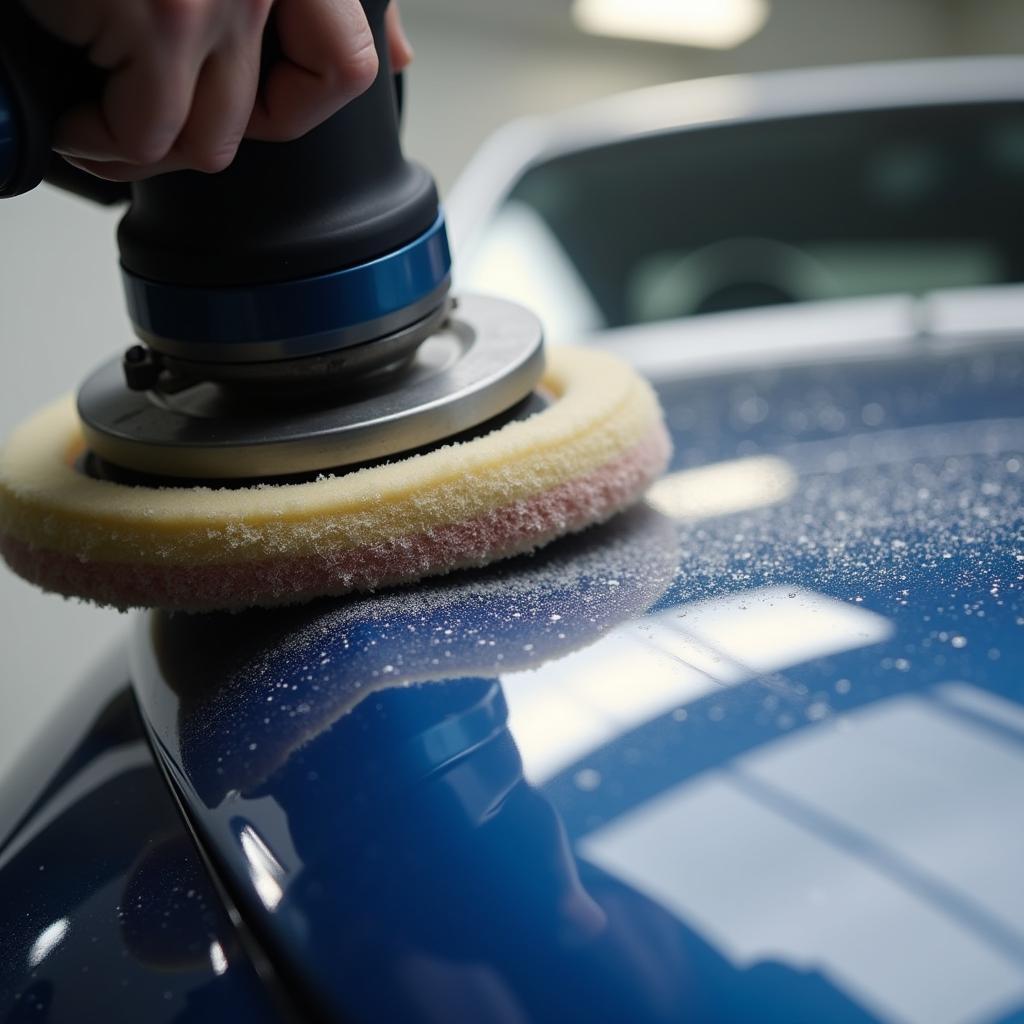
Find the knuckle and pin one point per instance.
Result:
(214, 159)
(215, 162)
(181, 17)
(257, 10)
(355, 69)
(287, 130)
(147, 149)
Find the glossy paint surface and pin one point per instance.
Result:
(108, 912)
(752, 753)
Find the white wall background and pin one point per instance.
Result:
(479, 63)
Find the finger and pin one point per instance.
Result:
(137, 120)
(147, 98)
(223, 103)
(119, 170)
(328, 59)
(209, 140)
(400, 50)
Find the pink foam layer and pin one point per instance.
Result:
(513, 529)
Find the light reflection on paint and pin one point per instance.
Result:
(218, 961)
(563, 711)
(985, 705)
(47, 941)
(265, 870)
(882, 850)
(723, 488)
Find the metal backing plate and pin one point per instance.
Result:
(485, 360)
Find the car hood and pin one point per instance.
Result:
(752, 750)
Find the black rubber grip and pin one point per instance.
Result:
(339, 196)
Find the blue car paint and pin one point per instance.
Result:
(431, 772)
(402, 847)
(374, 821)
(108, 910)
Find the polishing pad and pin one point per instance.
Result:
(590, 453)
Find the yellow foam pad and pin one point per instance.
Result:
(604, 408)
(601, 410)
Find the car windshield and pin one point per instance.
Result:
(761, 213)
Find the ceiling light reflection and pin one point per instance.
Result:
(47, 941)
(772, 628)
(711, 24)
(883, 855)
(218, 961)
(265, 869)
(724, 487)
(563, 711)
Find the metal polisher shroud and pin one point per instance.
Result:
(482, 361)
(296, 329)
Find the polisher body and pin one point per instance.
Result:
(308, 411)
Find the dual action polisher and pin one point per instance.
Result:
(307, 410)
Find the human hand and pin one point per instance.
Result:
(184, 84)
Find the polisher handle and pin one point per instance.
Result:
(340, 196)
(41, 77)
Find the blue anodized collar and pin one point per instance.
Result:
(291, 319)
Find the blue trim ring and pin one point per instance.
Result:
(291, 317)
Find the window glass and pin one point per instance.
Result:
(746, 215)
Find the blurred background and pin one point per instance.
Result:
(480, 63)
